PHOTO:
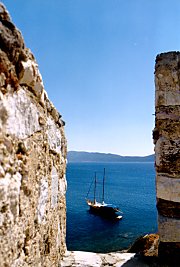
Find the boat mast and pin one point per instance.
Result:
(95, 188)
(103, 187)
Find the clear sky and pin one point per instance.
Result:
(97, 61)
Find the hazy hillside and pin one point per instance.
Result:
(78, 156)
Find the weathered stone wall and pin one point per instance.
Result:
(32, 160)
(167, 149)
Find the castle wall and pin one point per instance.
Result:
(32, 160)
(167, 149)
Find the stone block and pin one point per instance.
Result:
(54, 136)
(23, 115)
(169, 229)
(168, 188)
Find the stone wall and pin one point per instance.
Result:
(167, 149)
(32, 160)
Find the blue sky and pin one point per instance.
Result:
(97, 61)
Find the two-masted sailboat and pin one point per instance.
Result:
(101, 208)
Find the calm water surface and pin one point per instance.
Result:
(131, 186)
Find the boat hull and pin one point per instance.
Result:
(104, 210)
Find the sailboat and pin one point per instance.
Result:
(102, 208)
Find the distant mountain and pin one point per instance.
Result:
(81, 156)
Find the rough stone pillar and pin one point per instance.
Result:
(32, 160)
(167, 149)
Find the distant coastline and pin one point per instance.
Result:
(82, 156)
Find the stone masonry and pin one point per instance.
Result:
(167, 149)
(32, 160)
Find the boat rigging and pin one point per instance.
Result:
(102, 208)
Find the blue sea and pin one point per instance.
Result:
(130, 186)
